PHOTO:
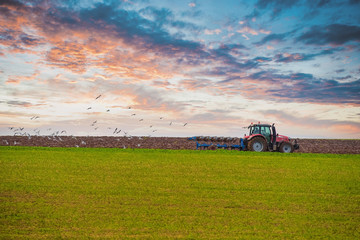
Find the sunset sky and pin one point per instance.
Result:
(149, 67)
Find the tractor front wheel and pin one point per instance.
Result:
(257, 144)
(286, 147)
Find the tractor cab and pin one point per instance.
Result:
(266, 130)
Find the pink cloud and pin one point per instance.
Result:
(212, 32)
(248, 30)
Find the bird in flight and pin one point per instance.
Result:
(133, 114)
(88, 108)
(98, 97)
(141, 120)
(185, 124)
(170, 123)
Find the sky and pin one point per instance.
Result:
(180, 68)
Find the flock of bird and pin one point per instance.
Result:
(118, 130)
(20, 131)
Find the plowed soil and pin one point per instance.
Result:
(306, 145)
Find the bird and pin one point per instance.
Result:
(108, 110)
(161, 117)
(141, 120)
(115, 131)
(151, 126)
(185, 124)
(88, 108)
(170, 123)
(129, 107)
(118, 131)
(63, 131)
(154, 130)
(133, 114)
(98, 97)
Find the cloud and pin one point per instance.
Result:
(262, 59)
(296, 87)
(150, 44)
(17, 103)
(334, 34)
(195, 84)
(225, 55)
(59, 24)
(248, 30)
(141, 32)
(122, 42)
(68, 55)
(310, 121)
(212, 32)
(297, 57)
(274, 38)
(15, 79)
(306, 88)
(340, 70)
(275, 6)
(149, 99)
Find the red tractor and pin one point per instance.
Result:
(263, 137)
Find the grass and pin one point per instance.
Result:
(49, 193)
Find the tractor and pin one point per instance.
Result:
(263, 137)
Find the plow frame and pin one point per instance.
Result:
(206, 145)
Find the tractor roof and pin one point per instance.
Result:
(260, 125)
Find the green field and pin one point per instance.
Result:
(49, 193)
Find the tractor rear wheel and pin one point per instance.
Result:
(257, 144)
(286, 147)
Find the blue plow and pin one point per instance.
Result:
(218, 143)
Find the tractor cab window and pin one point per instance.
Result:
(254, 130)
(265, 131)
